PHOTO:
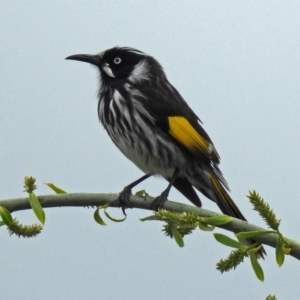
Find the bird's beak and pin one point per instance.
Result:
(92, 59)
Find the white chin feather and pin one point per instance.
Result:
(108, 71)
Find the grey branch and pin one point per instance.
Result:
(94, 200)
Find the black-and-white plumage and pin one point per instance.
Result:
(153, 126)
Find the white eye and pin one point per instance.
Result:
(117, 60)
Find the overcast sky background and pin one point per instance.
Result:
(235, 62)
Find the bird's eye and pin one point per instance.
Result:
(117, 60)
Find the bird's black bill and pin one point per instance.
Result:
(92, 59)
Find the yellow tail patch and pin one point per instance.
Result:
(181, 129)
(220, 190)
(226, 204)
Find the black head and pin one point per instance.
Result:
(122, 63)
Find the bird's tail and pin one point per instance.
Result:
(228, 207)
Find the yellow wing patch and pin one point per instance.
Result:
(181, 129)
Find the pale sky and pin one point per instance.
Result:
(236, 63)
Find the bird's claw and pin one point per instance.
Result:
(124, 199)
(159, 201)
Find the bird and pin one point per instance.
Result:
(155, 128)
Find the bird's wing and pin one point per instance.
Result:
(191, 136)
(174, 117)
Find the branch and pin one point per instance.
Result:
(88, 199)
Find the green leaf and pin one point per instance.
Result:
(6, 216)
(251, 234)
(56, 189)
(37, 207)
(97, 217)
(279, 252)
(254, 250)
(2, 223)
(112, 219)
(150, 218)
(227, 241)
(141, 193)
(217, 220)
(205, 227)
(177, 237)
(257, 267)
(286, 249)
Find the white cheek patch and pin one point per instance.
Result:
(140, 72)
(108, 70)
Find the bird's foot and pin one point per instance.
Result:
(159, 201)
(124, 199)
